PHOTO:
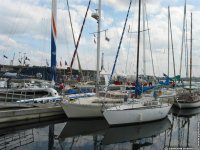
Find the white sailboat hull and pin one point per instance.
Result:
(73, 110)
(127, 114)
(88, 107)
(188, 104)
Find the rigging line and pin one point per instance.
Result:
(43, 32)
(137, 31)
(128, 54)
(17, 17)
(119, 46)
(152, 62)
(183, 30)
(77, 44)
(13, 28)
(99, 31)
(70, 18)
(131, 66)
(65, 31)
(170, 23)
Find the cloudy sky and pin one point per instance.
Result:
(26, 25)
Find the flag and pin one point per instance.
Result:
(20, 61)
(27, 59)
(66, 63)
(47, 63)
(60, 64)
(107, 39)
(164, 74)
(94, 38)
(5, 56)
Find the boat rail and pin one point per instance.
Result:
(13, 95)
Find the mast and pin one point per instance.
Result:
(149, 39)
(144, 51)
(168, 44)
(53, 40)
(170, 23)
(186, 48)
(183, 34)
(79, 37)
(98, 47)
(120, 42)
(138, 48)
(79, 64)
(191, 56)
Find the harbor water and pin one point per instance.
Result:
(179, 130)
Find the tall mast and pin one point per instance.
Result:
(144, 51)
(53, 39)
(183, 34)
(186, 49)
(138, 48)
(168, 45)
(191, 55)
(98, 47)
(170, 23)
(79, 64)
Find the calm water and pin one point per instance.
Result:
(180, 129)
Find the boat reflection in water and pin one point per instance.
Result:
(83, 127)
(184, 127)
(185, 112)
(82, 134)
(101, 136)
(135, 132)
(30, 133)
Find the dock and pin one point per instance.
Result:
(22, 114)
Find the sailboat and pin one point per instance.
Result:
(145, 111)
(92, 107)
(189, 98)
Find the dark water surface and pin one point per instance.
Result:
(179, 130)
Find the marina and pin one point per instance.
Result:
(116, 89)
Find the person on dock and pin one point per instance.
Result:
(61, 87)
